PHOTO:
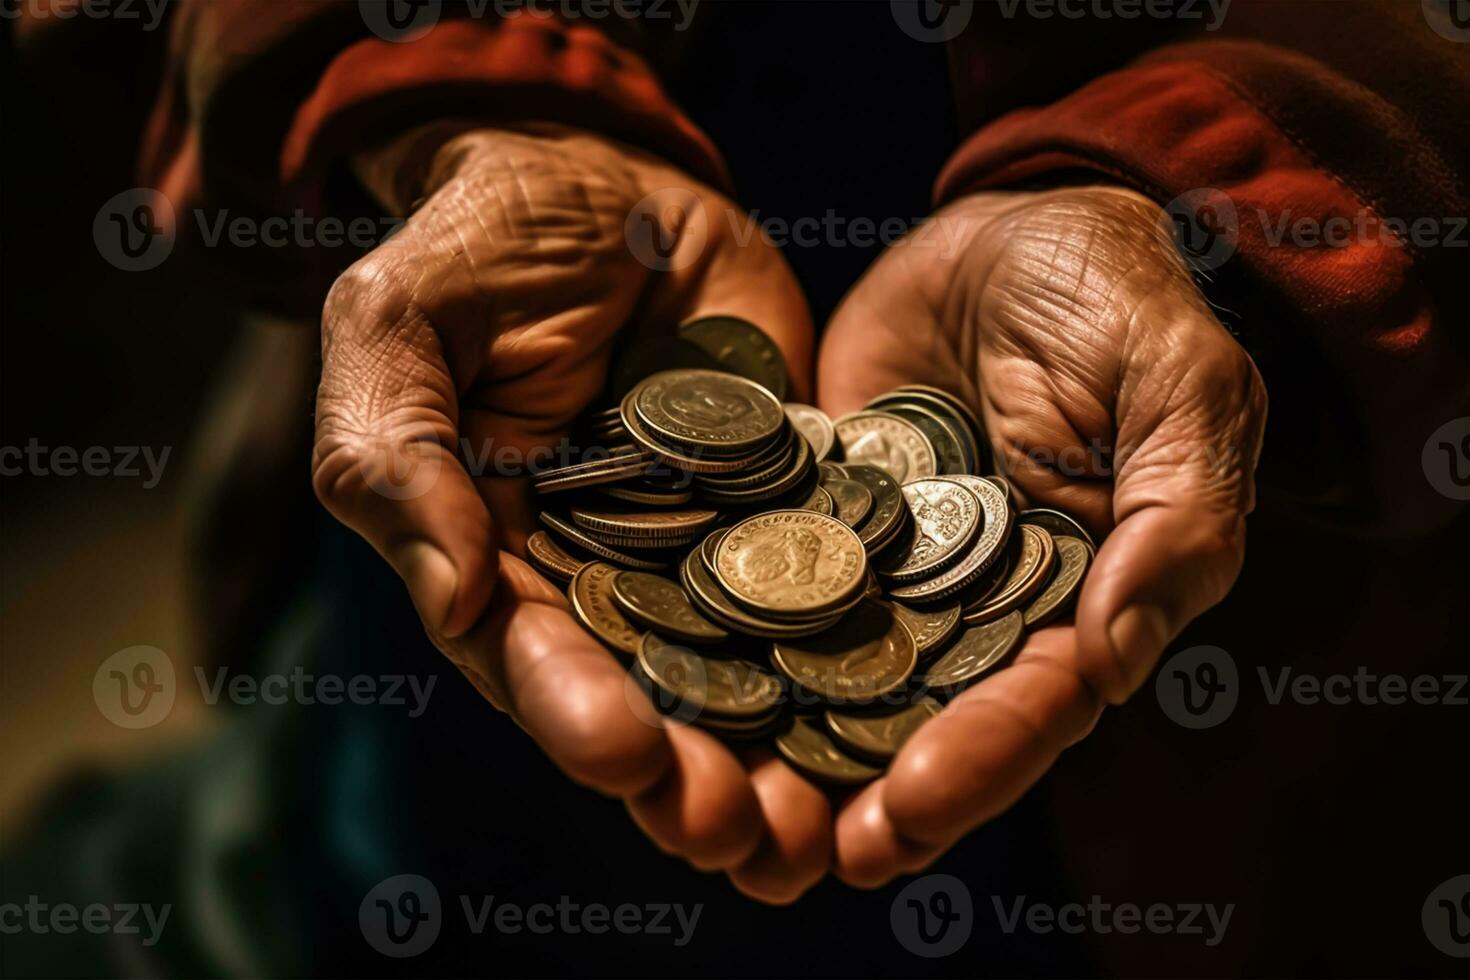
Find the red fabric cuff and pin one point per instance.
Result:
(523, 67)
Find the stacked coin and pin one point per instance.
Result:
(772, 574)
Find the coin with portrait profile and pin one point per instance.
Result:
(791, 563)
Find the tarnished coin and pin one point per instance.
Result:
(762, 470)
(946, 521)
(586, 541)
(889, 508)
(732, 688)
(592, 602)
(932, 628)
(709, 410)
(819, 501)
(551, 559)
(1032, 567)
(869, 653)
(713, 603)
(811, 750)
(740, 346)
(1073, 557)
(635, 493)
(651, 354)
(617, 466)
(943, 435)
(887, 441)
(995, 531)
(978, 649)
(800, 468)
(652, 524)
(879, 735)
(691, 460)
(853, 501)
(1057, 524)
(815, 427)
(658, 604)
(791, 563)
(962, 412)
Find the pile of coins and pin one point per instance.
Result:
(761, 588)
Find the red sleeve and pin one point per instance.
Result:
(261, 99)
(1286, 144)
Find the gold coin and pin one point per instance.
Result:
(869, 653)
(932, 628)
(693, 461)
(610, 470)
(1032, 567)
(990, 545)
(946, 521)
(889, 508)
(853, 501)
(591, 597)
(742, 347)
(710, 600)
(792, 563)
(1057, 524)
(710, 410)
(879, 735)
(731, 688)
(810, 750)
(1073, 557)
(887, 441)
(584, 540)
(655, 524)
(647, 496)
(658, 604)
(551, 559)
(743, 729)
(819, 501)
(814, 426)
(978, 649)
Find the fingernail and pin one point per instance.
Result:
(1138, 635)
(431, 578)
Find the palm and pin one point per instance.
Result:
(1107, 389)
(479, 332)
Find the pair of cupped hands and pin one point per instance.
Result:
(1065, 317)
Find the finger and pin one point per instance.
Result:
(869, 850)
(530, 657)
(715, 274)
(795, 849)
(384, 461)
(989, 745)
(885, 333)
(704, 809)
(1189, 436)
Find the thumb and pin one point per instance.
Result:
(384, 460)
(1189, 435)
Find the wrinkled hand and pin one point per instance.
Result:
(1108, 390)
(490, 317)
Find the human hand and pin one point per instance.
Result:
(1110, 391)
(490, 317)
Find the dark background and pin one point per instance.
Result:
(812, 114)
